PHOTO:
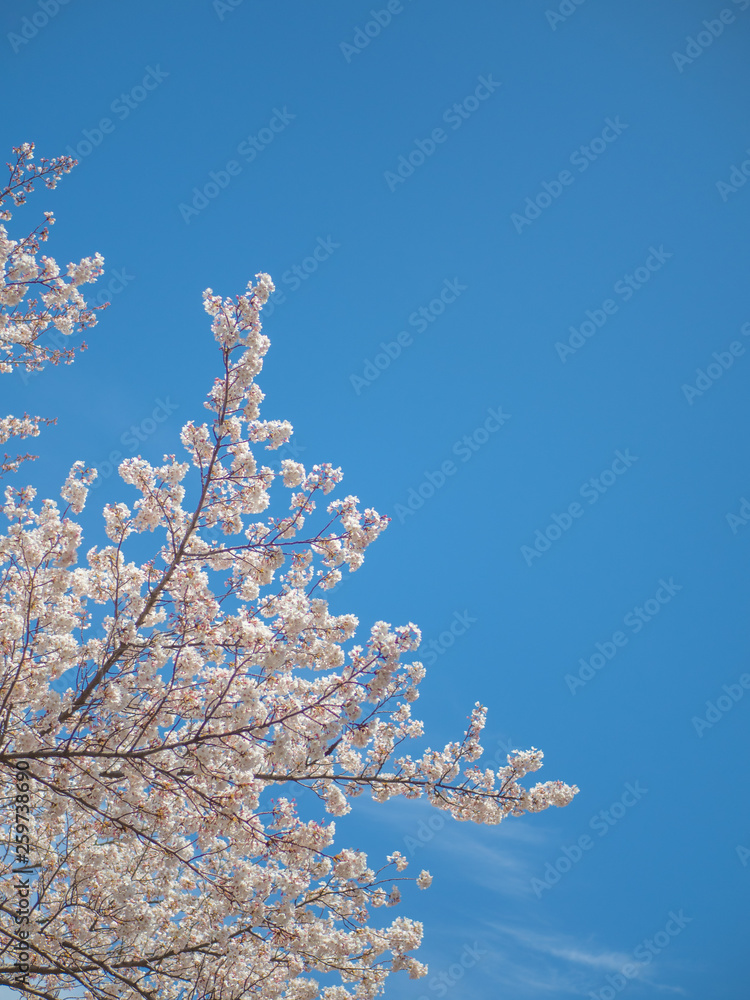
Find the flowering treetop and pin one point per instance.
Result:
(204, 685)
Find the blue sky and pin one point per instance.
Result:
(571, 184)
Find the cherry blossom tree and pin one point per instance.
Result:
(156, 849)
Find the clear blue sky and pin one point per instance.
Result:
(576, 182)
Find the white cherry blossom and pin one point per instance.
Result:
(200, 691)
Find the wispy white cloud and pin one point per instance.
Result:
(561, 947)
(560, 963)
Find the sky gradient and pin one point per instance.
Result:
(510, 249)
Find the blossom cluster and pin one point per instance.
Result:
(203, 687)
(60, 305)
(22, 271)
